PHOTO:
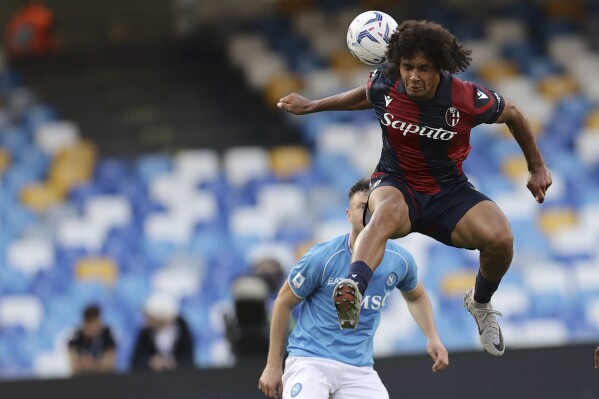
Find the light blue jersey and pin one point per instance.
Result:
(317, 332)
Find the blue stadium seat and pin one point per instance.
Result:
(150, 166)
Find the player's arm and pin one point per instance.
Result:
(420, 308)
(107, 360)
(539, 178)
(77, 364)
(351, 100)
(270, 380)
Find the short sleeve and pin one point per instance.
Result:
(371, 85)
(488, 105)
(75, 341)
(410, 280)
(304, 277)
(109, 341)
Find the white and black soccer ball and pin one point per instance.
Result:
(368, 36)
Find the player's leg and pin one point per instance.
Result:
(486, 228)
(389, 218)
(307, 378)
(360, 383)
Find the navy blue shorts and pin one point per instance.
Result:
(434, 215)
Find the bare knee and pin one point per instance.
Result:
(500, 243)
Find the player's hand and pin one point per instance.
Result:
(295, 104)
(539, 180)
(438, 353)
(597, 357)
(271, 383)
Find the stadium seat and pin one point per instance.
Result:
(40, 197)
(512, 300)
(285, 203)
(81, 233)
(30, 255)
(505, 30)
(149, 166)
(53, 364)
(196, 166)
(555, 87)
(290, 160)
(242, 164)
(21, 310)
(167, 227)
(108, 211)
(51, 137)
(587, 146)
(101, 269)
(4, 160)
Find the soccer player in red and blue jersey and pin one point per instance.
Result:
(426, 115)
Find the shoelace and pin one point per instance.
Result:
(483, 313)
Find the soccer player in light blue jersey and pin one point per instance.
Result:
(325, 361)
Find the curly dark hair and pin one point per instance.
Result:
(433, 40)
(359, 186)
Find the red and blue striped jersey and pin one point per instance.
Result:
(425, 142)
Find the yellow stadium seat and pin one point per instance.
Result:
(514, 167)
(557, 219)
(4, 160)
(571, 9)
(457, 283)
(494, 72)
(73, 165)
(302, 248)
(555, 87)
(39, 197)
(288, 160)
(279, 86)
(292, 7)
(102, 269)
(343, 61)
(593, 120)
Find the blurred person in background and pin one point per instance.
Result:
(165, 342)
(426, 115)
(247, 323)
(597, 357)
(30, 30)
(92, 348)
(323, 359)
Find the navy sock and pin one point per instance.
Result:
(484, 289)
(361, 274)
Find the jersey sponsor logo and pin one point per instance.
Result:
(296, 389)
(388, 100)
(391, 280)
(452, 116)
(374, 302)
(421, 130)
(298, 280)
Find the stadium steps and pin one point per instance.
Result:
(134, 100)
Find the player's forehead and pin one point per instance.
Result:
(417, 60)
(358, 198)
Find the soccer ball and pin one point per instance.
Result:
(368, 36)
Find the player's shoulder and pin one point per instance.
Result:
(377, 77)
(458, 83)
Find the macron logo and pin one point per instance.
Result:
(388, 100)
(480, 95)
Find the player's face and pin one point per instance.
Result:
(419, 76)
(355, 212)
